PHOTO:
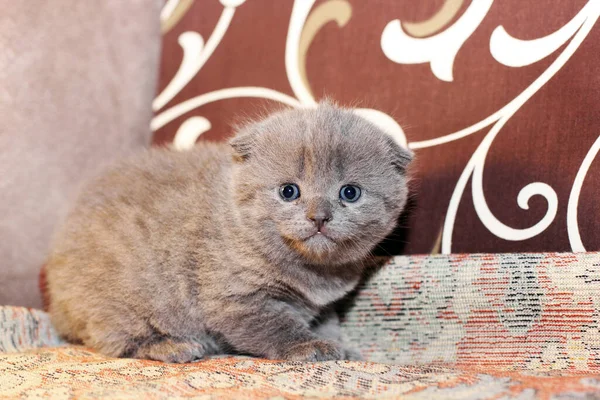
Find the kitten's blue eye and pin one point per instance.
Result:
(349, 193)
(289, 191)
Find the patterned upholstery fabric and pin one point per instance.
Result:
(498, 99)
(73, 372)
(509, 311)
(464, 326)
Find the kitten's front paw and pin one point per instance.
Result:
(352, 355)
(315, 350)
(171, 351)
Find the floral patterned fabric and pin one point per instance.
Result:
(73, 372)
(502, 326)
(510, 311)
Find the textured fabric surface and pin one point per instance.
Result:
(75, 372)
(22, 329)
(76, 83)
(495, 98)
(536, 312)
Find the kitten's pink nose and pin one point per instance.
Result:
(320, 218)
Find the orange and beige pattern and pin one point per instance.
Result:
(537, 312)
(481, 326)
(497, 98)
(77, 373)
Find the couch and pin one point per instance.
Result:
(479, 299)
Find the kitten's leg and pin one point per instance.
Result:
(172, 350)
(328, 327)
(275, 330)
(109, 336)
(139, 340)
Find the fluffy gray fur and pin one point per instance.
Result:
(174, 256)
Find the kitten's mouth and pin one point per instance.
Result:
(316, 244)
(318, 235)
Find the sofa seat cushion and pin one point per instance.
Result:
(35, 363)
(75, 372)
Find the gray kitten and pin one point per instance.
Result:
(174, 256)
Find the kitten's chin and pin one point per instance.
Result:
(319, 244)
(317, 249)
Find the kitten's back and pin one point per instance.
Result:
(126, 225)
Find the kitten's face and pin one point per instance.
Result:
(321, 185)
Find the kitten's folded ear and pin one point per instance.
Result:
(242, 144)
(401, 156)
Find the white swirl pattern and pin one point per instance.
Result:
(572, 226)
(195, 55)
(514, 52)
(299, 14)
(475, 166)
(440, 51)
(189, 131)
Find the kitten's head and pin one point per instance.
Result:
(320, 185)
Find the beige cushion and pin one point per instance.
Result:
(76, 83)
